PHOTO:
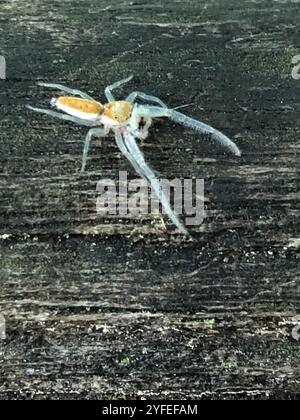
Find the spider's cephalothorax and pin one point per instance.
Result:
(128, 121)
(119, 111)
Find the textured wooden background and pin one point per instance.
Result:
(118, 308)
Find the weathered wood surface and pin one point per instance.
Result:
(117, 308)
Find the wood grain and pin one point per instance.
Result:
(117, 307)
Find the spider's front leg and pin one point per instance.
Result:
(131, 151)
(205, 129)
(156, 112)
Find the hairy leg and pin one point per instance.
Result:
(206, 129)
(157, 112)
(93, 132)
(109, 96)
(136, 157)
(123, 149)
(67, 90)
(60, 116)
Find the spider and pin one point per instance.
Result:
(128, 120)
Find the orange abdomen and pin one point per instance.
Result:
(82, 105)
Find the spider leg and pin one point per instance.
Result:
(135, 156)
(147, 98)
(109, 96)
(206, 129)
(93, 132)
(123, 149)
(61, 116)
(156, 111)
(67, 90)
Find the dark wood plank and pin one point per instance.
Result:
(117, 307)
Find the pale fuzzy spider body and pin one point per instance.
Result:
(121, 115)
(128, 120)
